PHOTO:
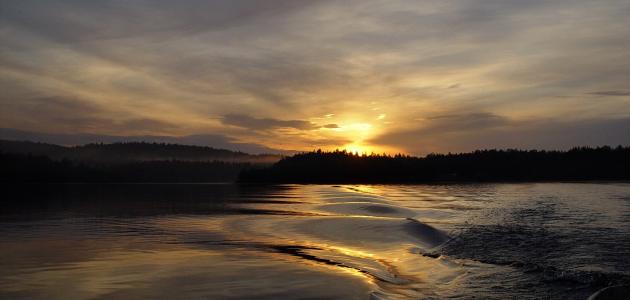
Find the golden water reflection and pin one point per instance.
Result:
(229, 242)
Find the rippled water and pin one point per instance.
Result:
(493, 241)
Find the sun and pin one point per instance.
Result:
(356, 148)
(358, 136)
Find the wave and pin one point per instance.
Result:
(534, 252)
(611, 293)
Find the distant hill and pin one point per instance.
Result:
(157, 162)
(603, 163)
(132, 152)
(216, 141)
(27, 168)
(123, 162)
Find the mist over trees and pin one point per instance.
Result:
(122, 162)
(133, 151)
(29, 168)
(151, 162)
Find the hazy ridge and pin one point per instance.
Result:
(132, 151)
(25, 161)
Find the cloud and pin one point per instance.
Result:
(79, 21)
(463, 122)
(529, 134)
(71, 113)
(146, 124)
(611, 93)
(252, 123)
(161, 67)
(315, 143)
(59, 107)
(330, 126)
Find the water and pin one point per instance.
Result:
(491, 241)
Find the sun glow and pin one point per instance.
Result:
(362, 128)
(358, 135)
(361, 148)
(358, 149)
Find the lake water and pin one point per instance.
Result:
(214, 241)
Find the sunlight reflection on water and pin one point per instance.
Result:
(314, 241)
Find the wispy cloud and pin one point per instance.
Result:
(265, 123)
(539, 134)
(611, 93)
(271, 68)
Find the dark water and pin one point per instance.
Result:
(495, 241)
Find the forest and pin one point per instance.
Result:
(23, 168)
(150, 162)
(25, 161)
(132, 151)
(581, 163)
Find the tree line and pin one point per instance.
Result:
(37, 168)
(132, 151)
(581, 163)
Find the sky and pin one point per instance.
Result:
(369, 76)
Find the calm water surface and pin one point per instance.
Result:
(494, 241)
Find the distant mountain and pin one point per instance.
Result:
(205, 140)
(132, 152)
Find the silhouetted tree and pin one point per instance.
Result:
(582, 163)
(29, 168)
